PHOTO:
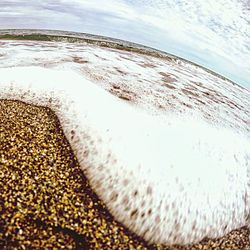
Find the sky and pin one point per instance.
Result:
(212, 33)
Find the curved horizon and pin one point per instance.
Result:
(81, 35)
(212, 34)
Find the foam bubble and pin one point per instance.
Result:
(169, 182)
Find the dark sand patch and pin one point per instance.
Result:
(80, 60)
(123, 94)
(45, 199)
(148, 65)
(190, 93)
(167, 78)
(168, 85)
(121, 72)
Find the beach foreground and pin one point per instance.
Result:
(46, 200)
(162, 142)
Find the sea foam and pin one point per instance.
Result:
(170, 179)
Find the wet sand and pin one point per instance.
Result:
(45, 199)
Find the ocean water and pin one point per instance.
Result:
(213, 33)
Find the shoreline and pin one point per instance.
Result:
(102, 41)
(22, 120)
(93, 63)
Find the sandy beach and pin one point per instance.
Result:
(46, 201)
